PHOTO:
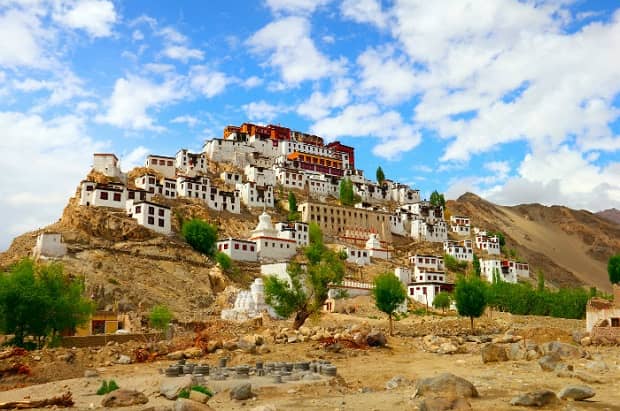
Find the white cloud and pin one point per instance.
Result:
(290, 49)
(159, 68)
(295, 6)
(58, 154)
(183, 53)
(171, 35)
(319, 105)
(253, 81)
(262, 111)
(209, 82)
(364, 11)
(133, 96)
(500, 168)
(137, 35)
(24, 39)
(135, 158)
(63, 88)
(189, 120)
(367, 120)
(96, 17)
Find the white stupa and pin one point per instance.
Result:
(249, 304)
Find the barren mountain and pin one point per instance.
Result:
(612, 214)
(571, 247)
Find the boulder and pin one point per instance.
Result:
(597, 366)
(247, 346)
(183, 404)
(263, 349)
(549, 362)
(230, 345)
(446, 385)
(534, 399)
(492, 352)
(91, 373)
(445, 404)
(198, 396)
(193, 352)
(516, 352)
(376, 339)
(576, 393)
(123, 398)
(447, 348)
(241, 392)
(175, 356)
(213, 346)
(267, 407)
(563, 350)
(171, 386)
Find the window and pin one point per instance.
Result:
(236, 246)
(138, 209)
(117, 196)
(170, 163)
(615, 322)
(151, 220)
(89, 188)
(103, 195)
(251, 248)
(132, 195)
(245, 247)
(161, 212)
(225, 246)
(161, 222)
(151, 210)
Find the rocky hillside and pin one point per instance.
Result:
(570, 246)
(612, 214)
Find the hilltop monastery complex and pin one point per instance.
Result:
(255, 163)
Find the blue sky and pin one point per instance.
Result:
(518, 101)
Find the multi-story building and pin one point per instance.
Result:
(238, 250)
(269, 243)
(296, 230)
(508, 271)
(436, 232)
(162, 164)
(487, 243)
(460, 225)
(107, 164)
(254, 195)
(112, 195)
(150, 215)
(462, 250)
(191, 164)
(315, 163)
(429, 278)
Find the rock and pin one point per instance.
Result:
(586, 341)
(213, 346)
(376, 339)
(532, 355)
(91, 374)
(446, 385)
(516, 352)
(549, 362)
(171, 386)
(589, 378)
(292, 339)
(397, 381)
(576, 393)
(198, 396)
(175, 356)
(193, 352)
(267, 407)
(183, 404)
(562, 350)
(534, 399)
(124, 359)
(241, 392)
(492, 352)
(335, 347)
(447, 348)
(305, 331)
(36, 358)
(230, 345)
(578, 335)
(247, 347)
(445, 404)
(597, 366)
(263, 349)
(123, 398)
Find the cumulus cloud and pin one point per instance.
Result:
(320, 104)
(134, 158)
(27, 39)
(209, 82)
(189, 120)
(96, 17)
(261, 111)
(134, 96)
(295, 6)
(58, 153)
(290, 50)
(365, 11)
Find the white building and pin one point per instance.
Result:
(297, 231)
(193, 187)
(376, 249)
(249, 304)
(403, 194)
(150, 215)
(191, 164)
(268, 243)
(290, 178)
(224, 200)
(238, 250)
(107, 164)
(436, 232)
(405, 275)
(49, 245)
(253, 195)
(508, 271)
(162, 164)
(460, 225)
(424, 210)
(231, 178)
(260, 175)
(279, 270)
(225, 150)
(357, 256)
(429, 278)
(102, 195)
(462, 251)
(603, 316)
(490, 244)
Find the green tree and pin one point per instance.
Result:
(160, 316)
(540, 286)
(470, 297)
(437, 199)
(40, 301)
(476, 264)
(200, 235)
(307, 289)
(224, 261)
(389, 293)
(347, 197)
(453, 264)
(380, 176)
(613, 269)
(442, 300)
(293, 213)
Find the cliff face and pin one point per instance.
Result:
(570, 246)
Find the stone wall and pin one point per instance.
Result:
(100, 340)
(607, 332)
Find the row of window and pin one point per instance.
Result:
(160, 162)
(104, 195)
(244, 247)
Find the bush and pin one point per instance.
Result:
(203, 390)
(200, 235)
(347, 197)
(442, 300)
(159, 317)
(107, 387)
(613, 269)
(224, 261)
(453, 264)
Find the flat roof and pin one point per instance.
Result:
(105, 155)
(151, 203)
(158, 156)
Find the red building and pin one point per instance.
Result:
(338, 147)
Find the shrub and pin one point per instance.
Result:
(203, 390)
(347, 197)
(224, 261)
(200, 235)
(613, 269)
(107, 387)
(442, 300)
(159, 317)
(453, 264)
